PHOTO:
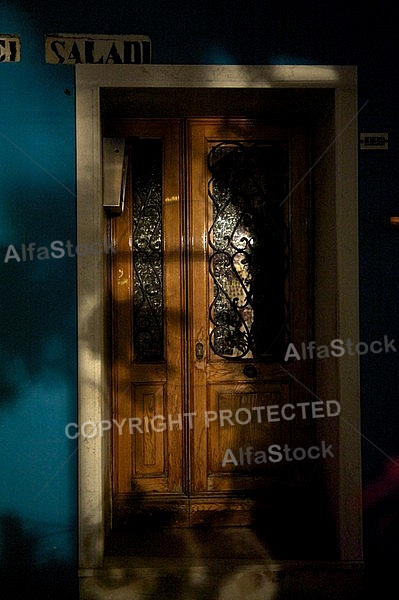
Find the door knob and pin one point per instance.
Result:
(250, 371)
(199, 350)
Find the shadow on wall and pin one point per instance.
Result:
(22, 573)
(38, 326)
(381, 529)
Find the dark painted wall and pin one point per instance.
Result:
(37, 191)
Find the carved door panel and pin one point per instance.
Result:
(210, 282)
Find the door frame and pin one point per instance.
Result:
(336, 272)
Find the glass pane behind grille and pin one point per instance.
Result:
(248, 249)
(148, 330)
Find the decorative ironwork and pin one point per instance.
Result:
(249, 249)
(148, 332)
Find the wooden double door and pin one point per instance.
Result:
(210, 281)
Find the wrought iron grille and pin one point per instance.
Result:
(249, 252)
(148, 329)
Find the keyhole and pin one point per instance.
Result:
(250, 371)
(199, 351)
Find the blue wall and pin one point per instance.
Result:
(37, 189)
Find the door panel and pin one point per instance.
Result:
(236, 429)
(233, 266)
(148, 317)
(249, 286)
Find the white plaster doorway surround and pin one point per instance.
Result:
(336, 272)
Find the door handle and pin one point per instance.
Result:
(199, 350)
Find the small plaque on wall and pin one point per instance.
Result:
(373, 141)
(76, 49)
(10, 48)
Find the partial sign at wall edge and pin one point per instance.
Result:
(10, 48)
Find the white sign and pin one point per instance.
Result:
(10, 48)
(76, 49)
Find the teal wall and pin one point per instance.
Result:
(38, 314)
(38, 499)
